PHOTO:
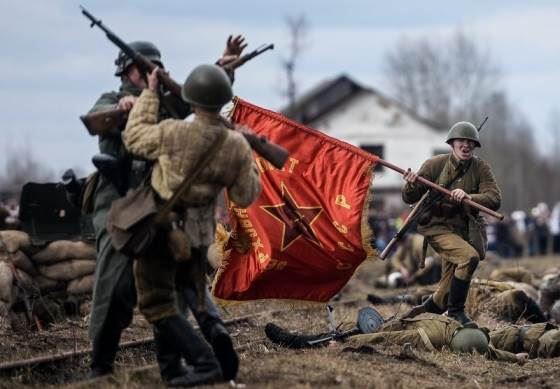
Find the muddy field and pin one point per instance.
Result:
(266, 365)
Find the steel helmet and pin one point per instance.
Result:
(207, 86)
(463, 130)
(148, 49)
(467, 340)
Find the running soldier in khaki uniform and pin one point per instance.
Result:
(434, 332)
(176, 146)
(452, 229)
(538, 340)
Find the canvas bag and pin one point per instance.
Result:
(133, 219)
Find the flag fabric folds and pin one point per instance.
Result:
(307, 233)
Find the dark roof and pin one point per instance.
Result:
(331, 93)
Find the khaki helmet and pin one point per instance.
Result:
(467, 340)
(555, 312)
(147, 49)
(463, 130)
(207, 86)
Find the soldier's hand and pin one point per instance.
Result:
(459, 195)
(410, 176)
(127, 102)
(522, 358)
(234, 48)
(153, 81)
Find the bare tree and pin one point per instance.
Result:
(297, 29)
(21, 167)
(444, 83)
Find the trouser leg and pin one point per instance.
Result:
(176, 335)
(119, 316)
(208, 318)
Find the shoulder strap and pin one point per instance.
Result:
(168, 206)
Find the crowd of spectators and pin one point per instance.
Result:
(521, 233)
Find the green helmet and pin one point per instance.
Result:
(207, 86)
(463, 130)
(148, 49)
(467, 340)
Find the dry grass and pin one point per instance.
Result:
(265, 365)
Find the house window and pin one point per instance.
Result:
(377, 150)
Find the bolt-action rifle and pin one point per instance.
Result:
(101, 122)
(425, 203)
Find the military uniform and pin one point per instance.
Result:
(114, 295)
(538, 340)
(453, 230)
(176, 146)
(427, 331)
(501, 300)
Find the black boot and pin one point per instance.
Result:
(169, 360)
(177, 331)
(105, 346)
(223, 349)
(427, 306)
(456, 302)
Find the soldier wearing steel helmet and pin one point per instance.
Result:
(452, 229)
(114, 294)
(176, 146)
(431, 332)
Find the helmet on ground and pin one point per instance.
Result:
(207, 86)
(147, 49)
(467, 340)
(463, 130)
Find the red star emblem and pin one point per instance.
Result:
(296, 220)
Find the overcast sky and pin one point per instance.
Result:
(53, 66)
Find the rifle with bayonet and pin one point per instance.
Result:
(101, 122)
(425, 203)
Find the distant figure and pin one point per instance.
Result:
(554, 225)
(4, 213)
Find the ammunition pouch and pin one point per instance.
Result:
(445, 210)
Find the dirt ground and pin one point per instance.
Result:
(266, 365)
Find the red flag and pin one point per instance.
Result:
(307, 233)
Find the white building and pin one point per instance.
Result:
(365, 118)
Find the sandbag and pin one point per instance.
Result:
(47, 284)
(68, 270)
(61, 250)
(15, 240)
(24, 280)
(6, 283)
(22, 261)
(81, 285)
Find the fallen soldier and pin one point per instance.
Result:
(537, 340)
(428, 332)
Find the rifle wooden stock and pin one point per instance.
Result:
(446, 192)
(102, 122)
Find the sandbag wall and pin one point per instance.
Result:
(59, 266)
